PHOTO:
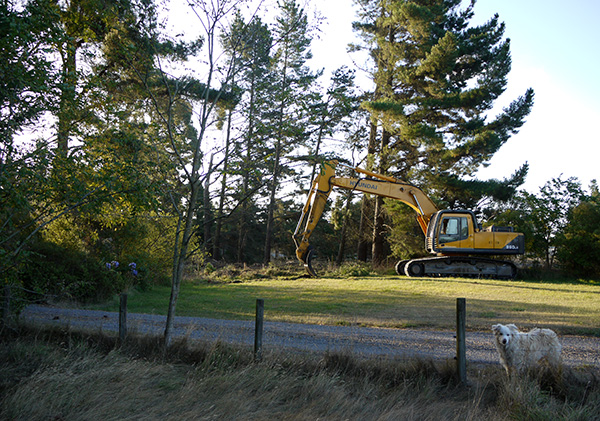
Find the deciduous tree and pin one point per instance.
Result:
(579, 243)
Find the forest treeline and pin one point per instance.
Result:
(131, 153)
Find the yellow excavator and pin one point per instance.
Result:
(460, 245)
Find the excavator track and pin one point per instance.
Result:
(459, 266)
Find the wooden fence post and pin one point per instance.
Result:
(123, 317)
(461, 358)
(258, 329)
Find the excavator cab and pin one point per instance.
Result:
(457, 232)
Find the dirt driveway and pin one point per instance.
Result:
(370, 342)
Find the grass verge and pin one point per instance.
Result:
(59, 374)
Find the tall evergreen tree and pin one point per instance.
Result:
(293, 80)
(250, 45)
(333, 108)
(371, 220)
(437, 79)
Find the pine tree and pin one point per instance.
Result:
(331, 110)
(436, 81)
(445, 77)
(293, 80)
(250, 45)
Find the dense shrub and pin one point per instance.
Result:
(68, 274)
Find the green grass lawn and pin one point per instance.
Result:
(385, 301)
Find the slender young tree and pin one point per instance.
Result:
(191, 158)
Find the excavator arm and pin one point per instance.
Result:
(372, 183)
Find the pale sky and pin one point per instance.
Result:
(554, 46)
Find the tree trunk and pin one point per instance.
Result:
(275, 182)
(378, 219)
(207, 219)
(271, 212)
(67, 98)
(180, 257)
(362, 252)
(243, 222)
(377, 243)
(364, 240)
(342, 247)
(318, 146)
(217, 251)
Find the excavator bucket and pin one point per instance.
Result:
(308, 262)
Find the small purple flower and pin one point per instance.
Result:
(132, 265)
(114, 264)
(108, 265)
(134, 272)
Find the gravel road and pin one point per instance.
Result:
(370, 342)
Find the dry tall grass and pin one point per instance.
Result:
(61, 375)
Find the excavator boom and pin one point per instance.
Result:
(373, 183)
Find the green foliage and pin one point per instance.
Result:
(65, 269)
(560, 226)
(145, 241)
(406, 237)
(471, 194)
(29, 87)
(68, 274)
(546, 215)
(28, 79)
(579, 242)
(437, 77)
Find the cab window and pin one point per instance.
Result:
(453, 228)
